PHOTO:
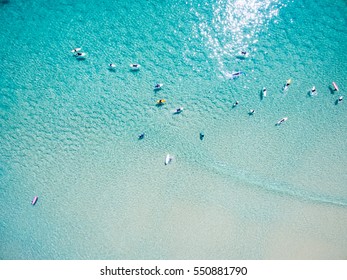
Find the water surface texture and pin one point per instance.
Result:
(248, 190)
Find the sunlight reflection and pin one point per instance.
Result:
(227, 27)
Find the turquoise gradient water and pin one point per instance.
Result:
(249, 190)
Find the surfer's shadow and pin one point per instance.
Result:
(331, 89)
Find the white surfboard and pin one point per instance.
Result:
(168, 159)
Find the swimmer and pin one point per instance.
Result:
(76, 50)
(282, 121)
(313, 91)
(80, 54)
(242, 55)
(135, 67)
(158, 87)
(179, 110)
(141, 136)
(264, 92)
(287, 84)
(237, 74)
(161, 101)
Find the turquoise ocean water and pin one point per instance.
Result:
(249, 190)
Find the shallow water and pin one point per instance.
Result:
(249, 190)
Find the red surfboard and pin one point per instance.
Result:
(335, 86)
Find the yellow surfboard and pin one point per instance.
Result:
(161, 101)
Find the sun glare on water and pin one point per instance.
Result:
(227, 27)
